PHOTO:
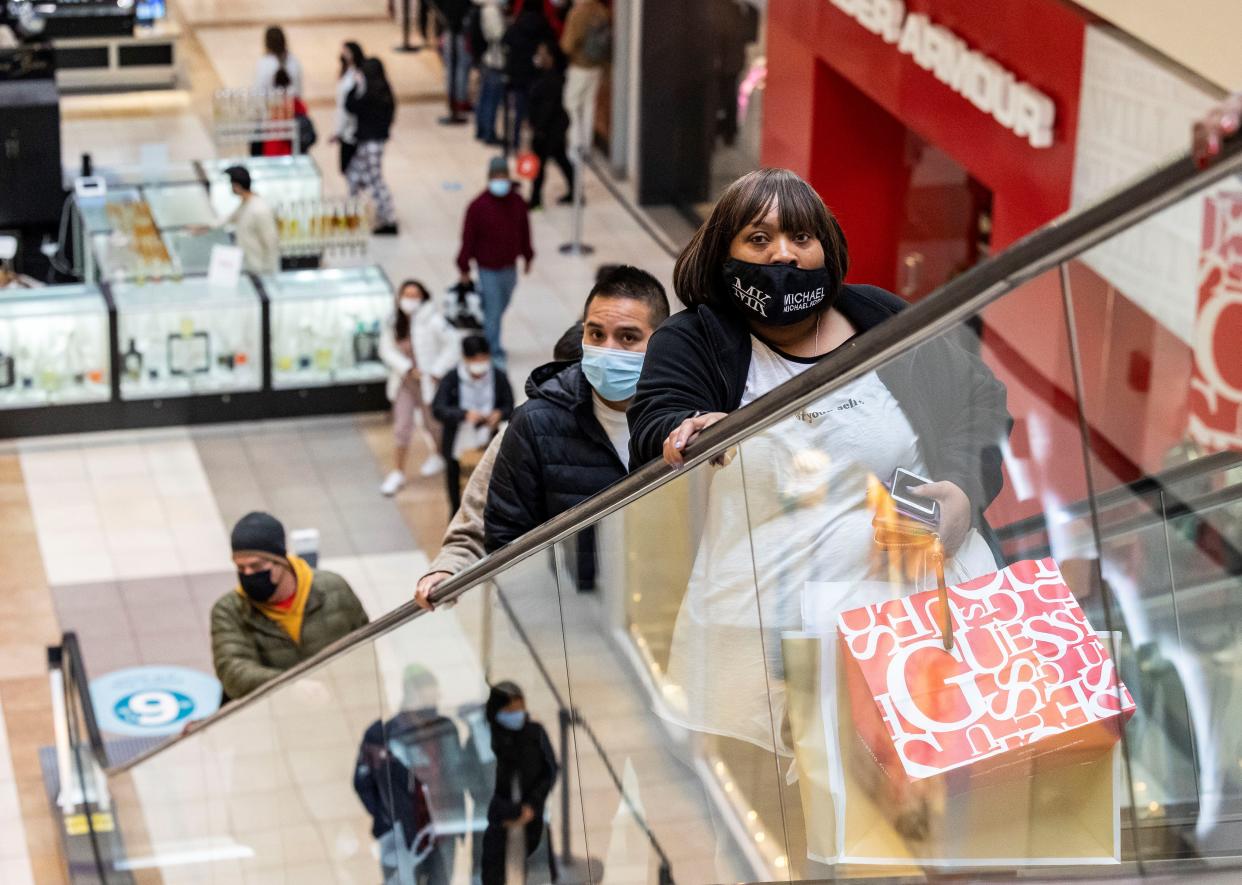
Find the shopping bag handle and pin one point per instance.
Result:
(898, 532)
(946, 625)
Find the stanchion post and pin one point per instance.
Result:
(575, 246)
(405, 29)
(567, 722)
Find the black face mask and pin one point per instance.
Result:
(259, 586)
(778, 294)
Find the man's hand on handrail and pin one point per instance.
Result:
(426, 585)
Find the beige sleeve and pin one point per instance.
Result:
(462, 545)
(574, 31)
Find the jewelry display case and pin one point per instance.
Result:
(53, 347)
(325, 325)
(186, 337)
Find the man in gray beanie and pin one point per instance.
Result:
(280, 613)
(496, 233)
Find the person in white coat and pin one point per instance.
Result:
(419, 347)
(346, 135)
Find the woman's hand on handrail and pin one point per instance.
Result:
(1210, 132)
(687, 432)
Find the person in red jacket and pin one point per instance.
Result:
(495, 235)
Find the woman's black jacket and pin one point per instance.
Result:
(698, 360)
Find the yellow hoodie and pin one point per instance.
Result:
(288, 617)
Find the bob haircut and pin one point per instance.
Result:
(698, 276)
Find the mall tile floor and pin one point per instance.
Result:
(122, 537)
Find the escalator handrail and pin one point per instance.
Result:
(950, 305)
(71, 652)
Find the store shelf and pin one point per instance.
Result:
(325, 326)
(188, 338)
(54, 347)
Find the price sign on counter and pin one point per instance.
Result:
(224, 271)
(152, 701)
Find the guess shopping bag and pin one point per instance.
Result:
(981, 676)
(1040, 814)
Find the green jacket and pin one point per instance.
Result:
(249, 649)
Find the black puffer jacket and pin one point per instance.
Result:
(554, 455)
(698, 360)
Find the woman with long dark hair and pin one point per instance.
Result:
(276, 55)
(763, 281)
(373, 105)
(346, 131)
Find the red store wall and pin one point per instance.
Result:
(839, 98)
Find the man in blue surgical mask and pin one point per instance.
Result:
(495, 234)
(570, 439)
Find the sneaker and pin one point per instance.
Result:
(386, 230)
(393, 483)
(432, 466)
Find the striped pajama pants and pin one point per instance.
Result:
(366, 172)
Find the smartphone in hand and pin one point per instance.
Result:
(919, 507)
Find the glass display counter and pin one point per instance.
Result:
(278, 180)
(179, 205)
(191, 251)
(185, 337)
(53, 347)
(133, 176)
(99, 215)
(325, 326)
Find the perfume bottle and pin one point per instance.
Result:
(131, 362)
(366, 343)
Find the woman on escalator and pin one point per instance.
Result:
(526, 771)
(790, 521)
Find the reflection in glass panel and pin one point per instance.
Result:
(1160, 409)
(265, 795)
(918, 737)
(661, 787)
(472, 733)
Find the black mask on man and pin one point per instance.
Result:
(778, 294)
(258, 586)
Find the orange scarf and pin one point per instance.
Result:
(288, 617)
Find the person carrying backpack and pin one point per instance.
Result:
(587, 41)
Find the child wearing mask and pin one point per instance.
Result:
(470, 406)
(419, 347)
(526, 771)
